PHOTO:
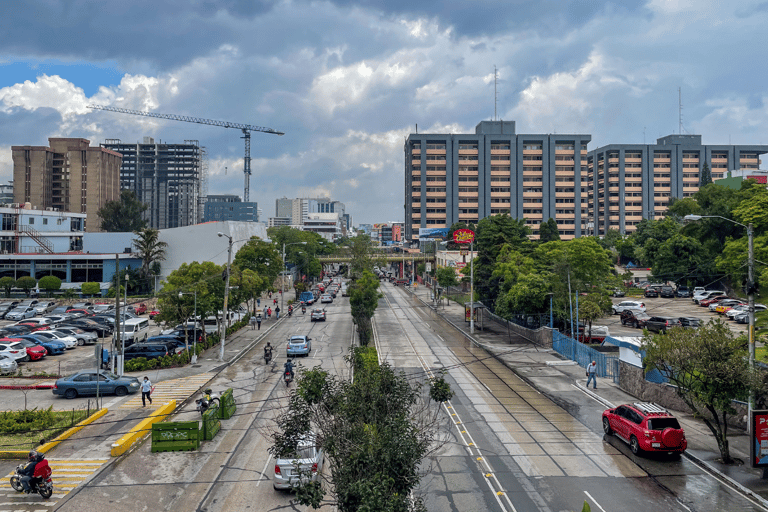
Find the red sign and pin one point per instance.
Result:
(463, 236)
(759, 441)
(759, 179)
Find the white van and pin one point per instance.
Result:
(211, 325)
(134, 330)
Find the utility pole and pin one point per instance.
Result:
(226, 297)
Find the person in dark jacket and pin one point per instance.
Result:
(28, 479)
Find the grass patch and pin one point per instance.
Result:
(23, 430)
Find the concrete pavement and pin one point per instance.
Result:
(702, 448)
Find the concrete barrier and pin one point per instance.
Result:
(142, 429)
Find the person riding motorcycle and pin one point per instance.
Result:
(303, 309)
(268, 350)
(29, 478)
(289, 367)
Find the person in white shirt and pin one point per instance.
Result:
(592, 374)
(146, 389)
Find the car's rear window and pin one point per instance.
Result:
(662, 423)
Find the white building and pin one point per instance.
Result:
(24, 230)
(327, 225)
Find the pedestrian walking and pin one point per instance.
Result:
(274, 302)
(253, 322)
(277, 313)
(146, 390)
(592, 374)
(270, 295)
(258, 322)
(269, 312)
(258, 302)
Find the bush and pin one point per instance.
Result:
(28, 419)
(366, 359)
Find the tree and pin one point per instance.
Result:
(257, 265)
(592, 307)
(49, 284)
(709, 367)
(90, 289)
(151, 250)
(374, 431)
(677, 259)
(446, 277)
(124, 215)
(612, 238)
(706, 175)
(363, 298)
(26, 283)
(548, 231)
(360, 252)
(7, 283)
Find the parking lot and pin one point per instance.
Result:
(664, 307)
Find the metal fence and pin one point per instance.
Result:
(607, 365)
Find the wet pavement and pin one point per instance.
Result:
(558, 379)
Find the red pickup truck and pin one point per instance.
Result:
(140, 309)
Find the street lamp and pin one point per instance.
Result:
(122, 334)
(750, 295)
(226, 297)
(193, 359)
(282, 275)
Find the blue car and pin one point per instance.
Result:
(53, 347)
(299, 345)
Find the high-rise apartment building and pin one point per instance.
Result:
(166, 177)
(68, 176)
(632, 182)
(466, 177)
(229, 207)
(283, 207)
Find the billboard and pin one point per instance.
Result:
(432, 234)
(759, 442)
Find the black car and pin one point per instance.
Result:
(10, 330)
(101, 330)
(661, 324)
(683, 291)
(179, 334)
(636, 319)
(147, 350)
(667, 292)
(651, 292)
(174, 344)
(689, 322)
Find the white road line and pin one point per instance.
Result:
(593, 500)
(263, 471)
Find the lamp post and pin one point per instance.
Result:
(750, 297)
(226, 296)
(122, 333)
(282, 277)
(193, 359)
(472, 286)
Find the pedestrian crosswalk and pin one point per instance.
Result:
(167, 390)
(67, 475)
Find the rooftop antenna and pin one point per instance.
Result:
(495, 91)
(680, 110)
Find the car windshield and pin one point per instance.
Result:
(109, 375)
(662, 423)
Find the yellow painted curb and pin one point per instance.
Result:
(50, 445)
(142, 429)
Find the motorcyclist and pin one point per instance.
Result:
(289, 367)
(28, 478)
(303, 309)
(268, 350)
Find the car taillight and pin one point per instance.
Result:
(277, 470)
(314, 467)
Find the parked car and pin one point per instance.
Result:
(326, 298)
(153, 313)
(35, 351)
(140, 309)
(146, 350)
(707, 295)
(44, 307)
(174, 344)
(80, 312)
(90, 325)
(11, 330)
(68, 341)
(317, 315)
(85, 383)
(12, 348)
(51, 346)
(667, 292)
(645, 427)
(690, 322)
(618, 292)
(651, 292)
(82, 337)
(20, 313)
(628, 304)
(302, 465)
(8, 365)
(683, 291)
(636, 319)
(662, 324)
(724, 305)
(299, 345)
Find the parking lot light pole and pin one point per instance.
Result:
(226, 297)
(193, 359)
(750, 298)
(282, 276)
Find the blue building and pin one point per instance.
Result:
(219, 208)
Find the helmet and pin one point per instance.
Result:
(32, 454)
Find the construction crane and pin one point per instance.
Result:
(246, 128)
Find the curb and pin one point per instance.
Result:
(699, 462)
(32, 386)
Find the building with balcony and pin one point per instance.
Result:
(627, 183)
(453, 178)
(229, 207)
(69, 176)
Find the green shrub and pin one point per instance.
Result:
(28, 419)
(365, 359)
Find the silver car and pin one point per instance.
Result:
(8, 365)
(20, 313)
(303, 465)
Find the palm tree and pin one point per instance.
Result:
(151, 250)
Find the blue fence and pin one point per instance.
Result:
(607, 365)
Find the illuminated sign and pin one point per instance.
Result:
(759, 444)
(463, 236)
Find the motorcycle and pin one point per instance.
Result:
(42, 486)
(209, 398)
(287, 377)
(290, 312)
(267, 357)
(303, 310)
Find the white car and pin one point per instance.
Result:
(304, 465)
(626, 305)
(8, 365)
(67, 340)
(13, 349)
(326, 298)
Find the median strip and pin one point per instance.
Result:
(142, 429)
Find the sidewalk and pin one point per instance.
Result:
(702, 448)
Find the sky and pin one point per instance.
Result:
(348, 81)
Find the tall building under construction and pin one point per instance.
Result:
(166, 177)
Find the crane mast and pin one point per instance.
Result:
(246, 129)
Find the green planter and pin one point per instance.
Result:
(175, 436)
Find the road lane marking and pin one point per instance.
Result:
(264, 471)
(594, 501)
